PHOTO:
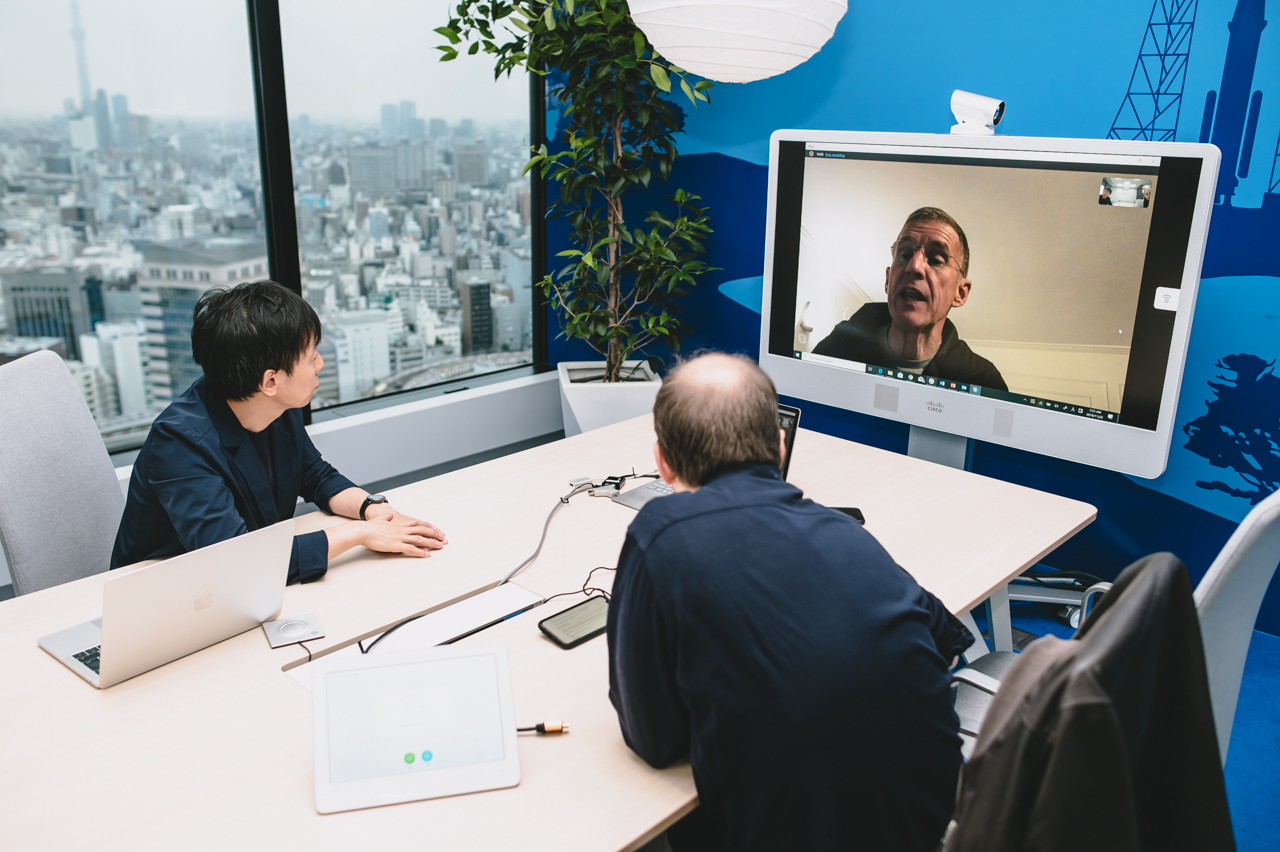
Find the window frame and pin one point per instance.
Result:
(280, 221)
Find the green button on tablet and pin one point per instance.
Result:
(408, 758)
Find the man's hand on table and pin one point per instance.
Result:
(384, 529)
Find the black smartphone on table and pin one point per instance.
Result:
(578, 623)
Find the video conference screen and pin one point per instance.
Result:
(1048, 280)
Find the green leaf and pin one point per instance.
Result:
(550, 17)
(688, 92)
(568, 7)
(521, 25)
(474, 49)
(449, 34)
(638, 38)
(660, 78)
(449, 53)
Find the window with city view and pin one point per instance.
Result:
(127, 191)
(129, 184)
(413, 216)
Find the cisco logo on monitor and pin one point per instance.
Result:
(935, 407)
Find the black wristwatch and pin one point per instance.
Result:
(369, 501)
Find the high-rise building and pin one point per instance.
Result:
(517, 274)
(506, 325)
(407, 115)
(372, 171)
(378, 222)
(477, 317)
(414, 163)
(102, 119)
(444, 189)
(390, 121)
(84, 133)
(471, 163)
(97, 387)
(437, 128)
(120, 349)
(363, 349)
(125, 132)
(448, 241)
(49, 302)
(173, 276)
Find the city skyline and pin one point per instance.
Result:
(392, 52)
(414, 235)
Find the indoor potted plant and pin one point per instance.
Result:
(619, 286)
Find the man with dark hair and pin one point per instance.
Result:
(231, 455)
(775, 644)
(910, 331)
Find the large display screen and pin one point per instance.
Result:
(1049, 280)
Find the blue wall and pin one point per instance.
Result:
(1063, 70)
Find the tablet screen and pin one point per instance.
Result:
(413, 718)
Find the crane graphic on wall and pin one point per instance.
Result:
(1152, 106)
(1153, 103)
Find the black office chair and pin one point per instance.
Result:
(1104, 741)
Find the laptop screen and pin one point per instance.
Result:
(788, 421)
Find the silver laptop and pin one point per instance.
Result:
(154, 615)
(788, 421)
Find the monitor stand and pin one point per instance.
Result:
(940, 448)
(957, 451)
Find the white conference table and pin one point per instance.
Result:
(214, 750)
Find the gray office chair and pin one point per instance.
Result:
(60, 500)
(974, 685)
(1227, 602)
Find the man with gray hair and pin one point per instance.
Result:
(775, 644)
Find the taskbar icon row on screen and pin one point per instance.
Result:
(992, 393)
(1069, 408)
(931, 381)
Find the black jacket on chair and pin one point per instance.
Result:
(1104, 742)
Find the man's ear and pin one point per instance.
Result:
(269, 386)
(664, 469)
(887, 270)
(782, 446)
(962, 293)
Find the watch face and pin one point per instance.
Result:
(377, 498)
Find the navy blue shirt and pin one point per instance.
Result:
(774, 643)
(198, 480)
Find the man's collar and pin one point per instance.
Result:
(230, 432)
(737, 471)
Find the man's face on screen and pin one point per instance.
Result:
(924, 285)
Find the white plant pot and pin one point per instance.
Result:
(589, 405)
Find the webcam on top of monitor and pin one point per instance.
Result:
(976, 115)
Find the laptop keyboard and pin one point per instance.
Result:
(660, 488)
(90, 658)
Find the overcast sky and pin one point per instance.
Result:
(343, 59)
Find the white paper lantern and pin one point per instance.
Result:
(737, 41)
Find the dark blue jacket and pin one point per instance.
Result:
(198, 481)
(803, 672)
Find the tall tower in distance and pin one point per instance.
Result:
(1230, 114)
(82, 65)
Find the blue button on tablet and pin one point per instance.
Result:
(426, 756)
